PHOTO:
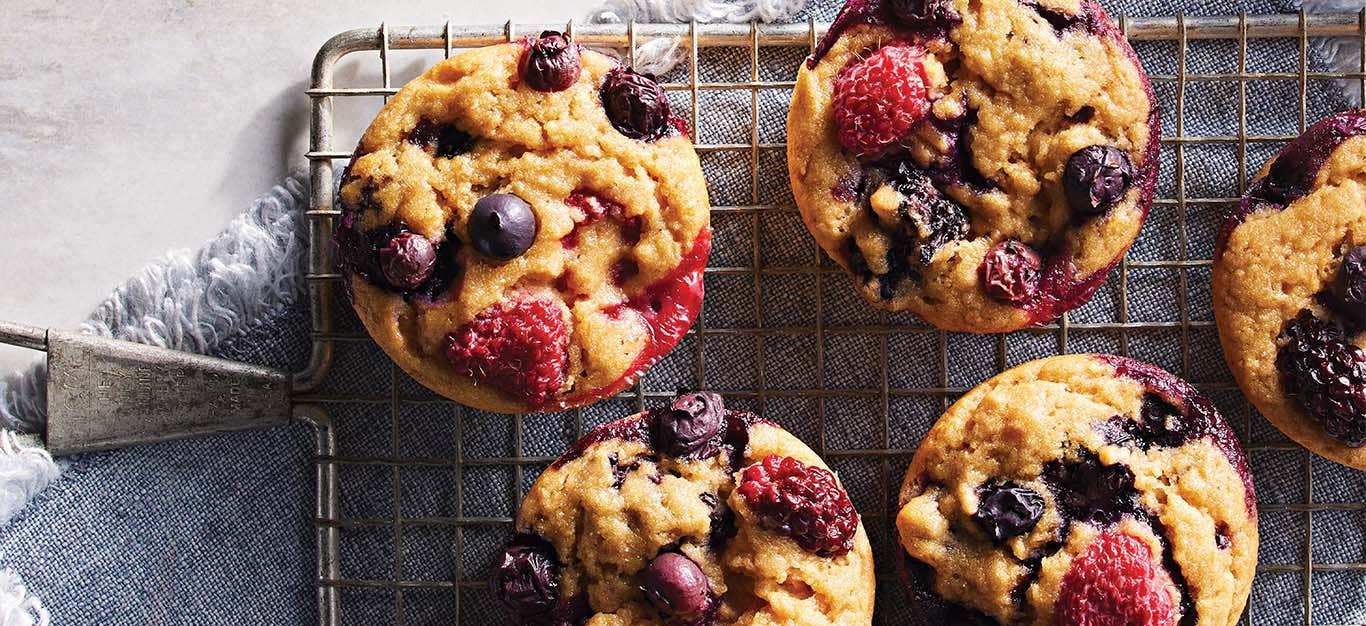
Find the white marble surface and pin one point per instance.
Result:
(131, 128)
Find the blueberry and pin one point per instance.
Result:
(920, 13)
(1006, 510)
(407, 260)
(442, 140)
(1096, 177)
(526, 580)
(689, 424)
(502, 226)
(1010, 272)
(551, 63)
(635, 104)
(1351, 285)
(678, 587)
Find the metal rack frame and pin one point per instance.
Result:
(312, 404)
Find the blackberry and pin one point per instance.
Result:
(1327, 376)
(1091, 492)
(930, 219)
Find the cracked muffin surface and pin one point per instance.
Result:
(983, 165)
(687, 514)
(1073, 474)
(525, 226)
(1289, 289)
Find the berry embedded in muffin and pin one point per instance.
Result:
(1079, 490)
(1289, 289)
(690, 514)
(982, 164)
(525, 227)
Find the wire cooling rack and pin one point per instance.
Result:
(414, 493)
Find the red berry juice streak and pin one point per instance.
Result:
(1060, 290)
(669, 308)
(1180, 394)
(1294, 169)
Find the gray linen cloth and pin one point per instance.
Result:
(218, 530)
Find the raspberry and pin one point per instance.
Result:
(879, 99)
(931, 218)
(517, 348)
(1116, 582)
(1327, 375)
(802, 502)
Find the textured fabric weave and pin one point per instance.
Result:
(219, 530)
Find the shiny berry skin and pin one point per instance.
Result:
(1116, 581)
(921, 13)
(442, 140)
(1351, 285)
(1007, 510)
(689, 424)
(1010, 272)
(517, 348)
(636, 105)
(1096, 177)
(551, 63)
(879, 99)
(803, 502)
(526, 580)
(407, 260)
(678, 588)
(1326, 374)
(502, 226)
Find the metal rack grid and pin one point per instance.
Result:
(872, 468)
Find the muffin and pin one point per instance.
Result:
(687, 514)
(525, 226)
(1289, 289)
(984, 165)
(1080, 489)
